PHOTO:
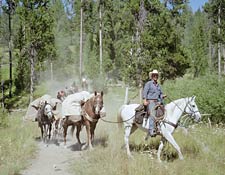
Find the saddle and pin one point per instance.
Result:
(159, 116)
(140, 113)
(159, 111)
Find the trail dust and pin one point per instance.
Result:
(53, 158)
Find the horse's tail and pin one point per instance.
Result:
(119, 117)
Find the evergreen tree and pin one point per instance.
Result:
(35, 40)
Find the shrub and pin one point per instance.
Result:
(209, 94)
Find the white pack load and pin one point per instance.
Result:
(72, 104)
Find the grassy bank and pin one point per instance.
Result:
(202, 147)
(17, 144)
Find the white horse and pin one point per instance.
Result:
(173, 112)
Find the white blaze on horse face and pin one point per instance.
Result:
(48, 111)
(98, 106)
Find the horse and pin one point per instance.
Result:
(45, 119)
(91, 110)
(61, 95)
(173, 112)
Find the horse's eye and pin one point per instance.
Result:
(193, 106)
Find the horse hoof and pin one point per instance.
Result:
(83, 147)
(130, 157)
(91, 148)
(65, 146)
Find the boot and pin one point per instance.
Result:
(151, 133)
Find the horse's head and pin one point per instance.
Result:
(97, 102)
(192, 109)
(61, 95)
(48, 110)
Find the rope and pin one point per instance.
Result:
(108, 121)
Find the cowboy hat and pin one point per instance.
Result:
(153, 72)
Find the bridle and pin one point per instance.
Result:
(93, 110)
(192, 114)
(46, 113)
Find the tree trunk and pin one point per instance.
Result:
(210, 56)
(100, 37)
(219, 49)
(81, 39)
(224, 60)
(32, 56)
(10, 55)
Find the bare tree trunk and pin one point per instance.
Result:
(10, 54)
(224, 60)
(219, 49)
(2, 84)
(81, 39)
(100, 37)
(32, 56)
(140, 27)
(51, 71)
(210, 56)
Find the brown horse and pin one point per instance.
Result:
(89, 118)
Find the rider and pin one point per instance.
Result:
(152, 96)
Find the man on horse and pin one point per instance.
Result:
(152, 96)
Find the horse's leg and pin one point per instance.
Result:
(88, 143)
(78, 133)
(133, 129)
(170, 138)
(50, 129)
(44, 137)
(41, 127)
(54, 130)
(65, 133)
(160, 148)
(126, 139)
(93, 126)
(56, 126)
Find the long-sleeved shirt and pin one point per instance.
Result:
(152, 90)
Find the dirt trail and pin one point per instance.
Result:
(53, 159)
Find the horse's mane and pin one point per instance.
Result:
(175, 103)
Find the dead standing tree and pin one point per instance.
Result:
(32, 54)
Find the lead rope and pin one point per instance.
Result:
(108, 121)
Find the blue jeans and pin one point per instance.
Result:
(151, 111)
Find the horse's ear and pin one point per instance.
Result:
(193, 98)
(101, 93)
(95, 93)
(45, 102)
(35, 107)
(54, 108)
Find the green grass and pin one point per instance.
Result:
(17, 144)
